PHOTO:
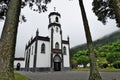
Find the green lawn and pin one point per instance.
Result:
(101, 70)
(20, 77)
(109, 70)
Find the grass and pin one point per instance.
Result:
(20, 77)
(109, 69)
(81, 69)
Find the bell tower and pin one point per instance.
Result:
(55, 34)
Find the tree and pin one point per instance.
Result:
(35, 5)
(116, 64)
(84, 60)
(104, 9)
(9, 34)
(74, 63)
(112, 57)
(8, 40)
(94, 74)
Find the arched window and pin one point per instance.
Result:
(56, 19)
(18, 66)
(56, 29)
(43, 48)
(57, 45)
(52, 30)
(64, 50)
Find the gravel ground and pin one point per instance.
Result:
(69, 75)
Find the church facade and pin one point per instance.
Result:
(50, 53)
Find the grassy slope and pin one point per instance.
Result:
(20, 77)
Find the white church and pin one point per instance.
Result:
(50, 53)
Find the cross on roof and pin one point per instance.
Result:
(54, 8)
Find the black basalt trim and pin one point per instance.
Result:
(40, 69)
(21, 69)
(39, 38)
(54, 24)
(19, 59)
(43, 38)
(65, 42)
(54, 13)
(67, 68)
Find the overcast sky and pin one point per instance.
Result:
(71, 22)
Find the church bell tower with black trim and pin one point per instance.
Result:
(55, 34)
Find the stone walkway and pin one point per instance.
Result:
(69, 75)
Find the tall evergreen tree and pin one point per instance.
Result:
(94, 74)
(11, 10)
(104, 9)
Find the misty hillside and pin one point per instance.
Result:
(108, 39)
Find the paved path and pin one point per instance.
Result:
(69, 75)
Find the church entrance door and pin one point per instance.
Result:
(57, 66)
(57, 63)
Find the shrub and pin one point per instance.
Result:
(112, 57)
(104, 65)
(116, 64)
(74, 63)
(84, 60)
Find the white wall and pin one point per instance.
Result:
(56, 37)
(66, 57)
(53, 17)
(43, 59)
(32, 53)
(22, 63)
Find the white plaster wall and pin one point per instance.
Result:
(49, 30)
(56, 37)
(32, 53)
(22, 63)
(43, 59)
(66, 57)
(53, 17)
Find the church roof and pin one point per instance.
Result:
(54, 13)
(38, 38)
(65, 42)
(43, 39)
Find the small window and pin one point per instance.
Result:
(57, 45)
(56, 19)
(52, 30)
(56, 29)
(32, 51)
(29, 51)
(43, 48)
(49, 20)
(64, 50)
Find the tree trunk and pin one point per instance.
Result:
(94, 74)
(8, 40)
(116, 8)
